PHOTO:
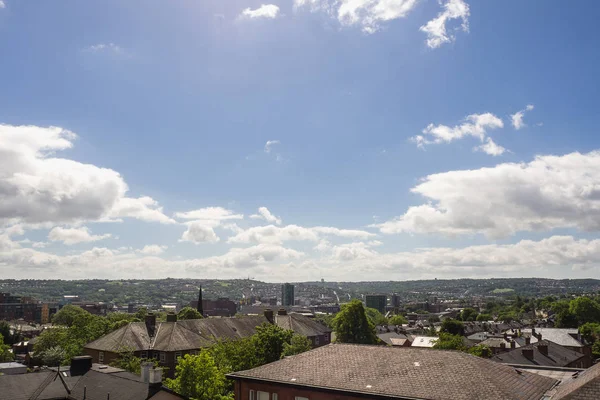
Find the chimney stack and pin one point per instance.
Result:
(200, 306)
(146, 367)
(528, 353)
(155, 382)
(80, 365)
(282, 311)
(171, 317)
(150, 324)
(503, 346)
(543, 348)
(513, 344)
(269, 315)
(527, 340)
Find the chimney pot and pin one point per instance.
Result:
(543, 348)
(269, 315)
(282, 311)
(513, 344)
(527, 340)
(155, 376)
(80, 365)
(171, 317)
(150, 323)
(528, 353)
(146, 367)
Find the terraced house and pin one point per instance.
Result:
(167, 341)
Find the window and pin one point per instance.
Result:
(262, 395)
(252, 395)
(155, 355)
(274, 396)
(163, 357)
(316, 340)
(100, 357)
(144, 354)
(177, 355)
(326, 337)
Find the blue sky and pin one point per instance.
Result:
(403, 139)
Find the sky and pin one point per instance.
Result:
(299, 140)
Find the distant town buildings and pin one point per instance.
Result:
(28, 309)
(287, 294)
(376, 301)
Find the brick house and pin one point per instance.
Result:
(545, 353)
(352, 372)
(167, 341)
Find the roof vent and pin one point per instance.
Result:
(369, 386)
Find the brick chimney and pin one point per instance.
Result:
(543, 348)
(269, 315)
(146, 367)
(513, 344)
(150, 324)
(155, 381)
(527, 353)
(502, 346)
(171, 317)
(282, 311)
(80, 365)
(527, 340)
(200, 306)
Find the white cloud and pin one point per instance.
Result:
(475, 125)
(105, 47)
(2, 4)
(437, 33)
(490, 147)
(517, 118)
(153, 249)
(276, 234)
(37, 187)
(199, 232)
(264, 213)
(270, 144)
(352, 251)
(547, 193)
(367, 14)
(269, 11)
(209, 214)
(70, 236)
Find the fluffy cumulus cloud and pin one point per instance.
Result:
(474, 125)
(276, 234)
(70, 236)
(437, 31)
(366, 14)
(199, 232)
(517, 118)
(2, 4)
(37, 187)
(269, 145)
(264, 213)
(269, 11)
(547, 193)
(204, 220)
(209, 214)
(153, 249)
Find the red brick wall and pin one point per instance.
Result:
(242, 392)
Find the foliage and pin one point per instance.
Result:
(507, 316)
(52, 357)
(9, 338)
(484, 317)
(269, 341)
(199, 378)
(590, 331)
(66, 316)
(433, 319)
(398, 320)
(326, 319)
(480, 350)
(351, 325)
(596, 350)
(375, 316)
(298, 344)
(234, 355)
(447, 341)
(584, 310)
(453, 327)
(129, 362)
(467, 314)
(5, 354)
(189, 313)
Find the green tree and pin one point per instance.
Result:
(234, 355)
(269, 341)
(480, 350)
(484, 317)
(453, 327)
(398, 320)
(5, 354)
(596, 349)
(433, 319)
(351, 325)
(467, 314)
(52, 357)
(189, 313)
(590, 331)
(298, 344)
(375, 316)
(326, 319)
(447, 341)
(66, 316)
(129, 362)
(585, 310)
(199, 378)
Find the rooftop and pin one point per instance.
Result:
(402, 373)
(557, 356)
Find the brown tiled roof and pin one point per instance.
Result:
(558, 356)
(196, 333)
(402, 373)
(583, 386)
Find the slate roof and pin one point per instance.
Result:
(561, 336)
(24, 386)
(402, 373)
(585, 385)
(558, 356)
(196, 333)
(97, 386)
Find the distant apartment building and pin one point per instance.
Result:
(222, 307)
(287, 294)
(14, 308)
(376, 301)
(92, 307)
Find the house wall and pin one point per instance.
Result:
(109, 357)
(243, 387)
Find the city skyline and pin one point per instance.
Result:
(296, 140)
